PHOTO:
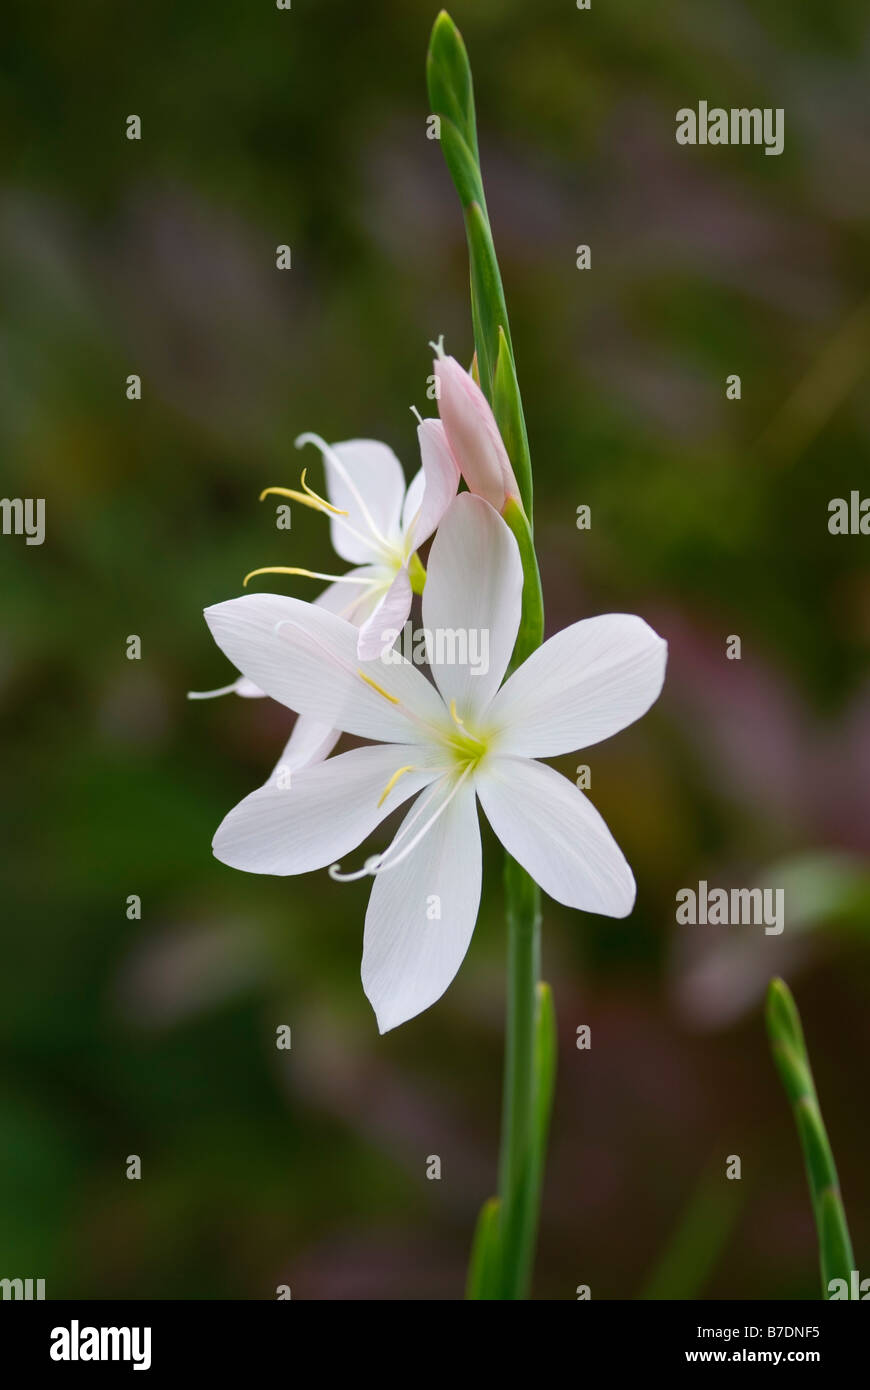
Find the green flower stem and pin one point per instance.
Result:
(504, 1244)
(517, 1158)
(451, 94)
(787, 1043)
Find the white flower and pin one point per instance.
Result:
(463, 739)
(377, 525)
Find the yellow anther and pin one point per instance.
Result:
(294, 496)
(393, 780)
(454, 716)
(307, 574)
(379, 688)
(336, 511)
(308, 497)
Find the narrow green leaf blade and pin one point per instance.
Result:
(483, 1268)
(507, 407)
(835, 1246)
(448, 76)
(789, 1050)
(461, 163)
(531, 629)
(488, 308)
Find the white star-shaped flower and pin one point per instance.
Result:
(377, 524)
(466, 738)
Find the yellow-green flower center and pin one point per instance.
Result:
(468, 746)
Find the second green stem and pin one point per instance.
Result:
(518, 1176)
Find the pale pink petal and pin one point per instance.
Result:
(473, 434)
(413, 501)
(379, 631)
(434, 487)
(471, 603)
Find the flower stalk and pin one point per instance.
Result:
(452, 746)
(503, 1251)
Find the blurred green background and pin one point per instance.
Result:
(709, 518)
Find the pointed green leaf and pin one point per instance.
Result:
(783, 1017)
(792, 1060)
(835, 1248)
(483, 1268)
(448, 75)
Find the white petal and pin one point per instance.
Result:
(556, 834)
(440, 474)
(584, 684)
(353, 602)
(371, 492)
(421, 915)
(413, 501)
(471, 603)
(310, 742)
(307, 659)
(319, 814)
(379, 631)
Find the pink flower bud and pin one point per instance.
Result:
(473, 434)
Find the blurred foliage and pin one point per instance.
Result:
(156, 1036)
